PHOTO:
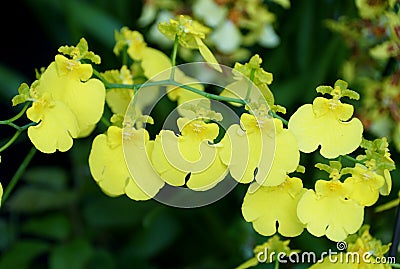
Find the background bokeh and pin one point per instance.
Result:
(59, 218)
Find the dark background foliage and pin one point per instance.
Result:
(58, 217)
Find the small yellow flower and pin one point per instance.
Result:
(261, 147)
(363, 184)
(191, 154)
(119, 99)
(378, 156)
(248, 146)
(265, 251)
(327, 123)
(362, 253)
(260, 208)
(66, 104)
(253, 73)
(109, 169)
(328, 211)
(286, 158)
(190, 34)
(152, 61)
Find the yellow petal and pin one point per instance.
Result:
(387, 187)
(155, 64)
(86, 100)
(72, 69)
(286, 157)
(118, 100)
(168, 172)
(335, 137)
(260, 208)
(237, 154)
(145, 182)
(107, 165)
(208, 178)
(207, 54)
(55, 130)
(238, 89)
(327, 212)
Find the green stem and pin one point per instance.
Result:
(105, 121)
(173, 56)
(16, 135)
(12, 140)
(273, 114)
(18, 174)
(351, 159)
(395, 265)
(105, 82)
(252, 73)
(276, 262)
(16, 117)
(170, 82)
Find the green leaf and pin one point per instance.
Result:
(74, 254)
(160, 231)
(105, 211)
(32, 199)
(101, 259)
(93, 20)
(47, 177)
(52, 226)
(22, 254)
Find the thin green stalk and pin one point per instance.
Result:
(252, 73)
(276, 262)
(208, 95)
(173, 56)
(16, 135)
(18, 174)
(100, 76)
(395, 265)
(351, 159)
(105, 121)
(16, 117)
(12, 140)
(273, 114)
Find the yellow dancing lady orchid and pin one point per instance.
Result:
(67, 104)
(281, 217)
(327, 123)
(109, 168)
(191, 155)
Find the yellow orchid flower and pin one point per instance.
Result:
(261, 147)
(362, 252)
(327, 123)
(190, 34)
(153, 61)
(119, 99)
(189, 155)
(328, 211)
(253, 73)
(363, 184)
(281, 217)
(109, 169)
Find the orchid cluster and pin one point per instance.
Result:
(373, 39)
(244, 23)
(258, 148)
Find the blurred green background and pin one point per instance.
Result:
(58, 217)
